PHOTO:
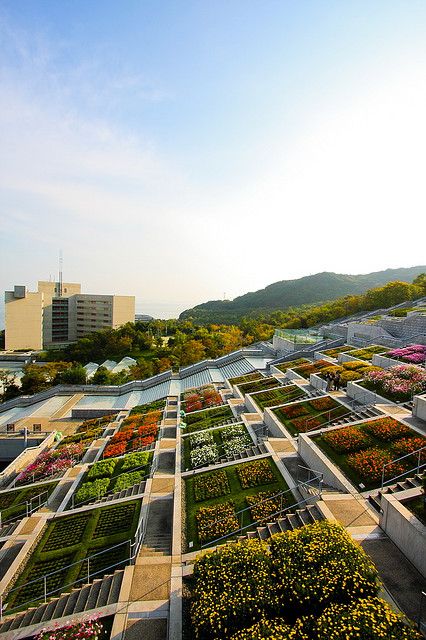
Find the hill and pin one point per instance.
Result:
(319, 287)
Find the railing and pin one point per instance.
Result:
(29, 508)
(420, 465)
(147, 447)
(240, 514)
(133, 545)
(221, 455)
(225, 423)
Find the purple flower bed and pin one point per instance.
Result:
(414, 354)
(51, 462)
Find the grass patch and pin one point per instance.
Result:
(207, 418)
(273, 397)
(237, 495)
(258, 385)
(70, 539)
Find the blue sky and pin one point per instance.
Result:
(180, 151)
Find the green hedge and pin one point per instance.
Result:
(91, 490)
(126, 480)
(133, 460)
(102, 469)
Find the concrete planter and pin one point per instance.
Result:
(318, 355)
(384, 362)
(419, 408)
(316, 459)
(364, 396)
(292, 375)
(276, 429)
(345, 357)
(403, 528)
(317, 382)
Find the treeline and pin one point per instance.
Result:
(161, 345)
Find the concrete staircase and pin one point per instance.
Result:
(158, 536)
(98, 594)
(353, 416)
(288, 522)
(408, 483)
(134, 490)
(7, 529)
(255, 450)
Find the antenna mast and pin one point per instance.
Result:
(60, 273)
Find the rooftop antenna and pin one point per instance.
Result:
(60, 273)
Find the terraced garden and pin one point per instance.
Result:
(284, 366)
(214, 498)
(69, 540)
(205, 447)
(353, 370)
(274, 397)
(114, 474)
(258, 385)
(137, 431)
(208, 418)
(305, 370)
(13, 504)
(157, 405)
(333, 353)
(200, 398)
(368, 352)
(361, 450)
(311, 414)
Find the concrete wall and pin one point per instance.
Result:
(23, 320)
(314, 458)
(403, 528)
(419, 408)
(384, 362)
(364, 396)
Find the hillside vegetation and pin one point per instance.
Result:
(295, 293)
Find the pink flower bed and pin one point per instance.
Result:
(397, 383)
(81, 630)
(414, 353)
(51, 462)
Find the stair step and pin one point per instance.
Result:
(263, 533)
(38, 614)
(273, 528)
(6, 625)
(60, 606)
(303, 516)
(93, 595)
(47, 615)
(102, 599)
(72, 600)
(283, 524)
(293, 521)
(115, 587)
(81, 602)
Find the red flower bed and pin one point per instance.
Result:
(408, 445)
(113, 450)
(122, 436)
(294, 411)
(368, 464)
(387, 429)
(148, 430)
(305, 423)
(142, 442)
(347, 440)
(323, 404)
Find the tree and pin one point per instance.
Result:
(73, 375)
(8, 387)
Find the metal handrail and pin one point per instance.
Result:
(272, 515)
(29, 509)
(134, 546)
(417, 467)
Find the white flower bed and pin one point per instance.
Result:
(204, 455)
(200, 439)
(229, 433)
(236, 445)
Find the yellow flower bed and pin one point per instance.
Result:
(269, 506)
(254, 473)
(216, 521)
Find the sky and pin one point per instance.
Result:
(182, 151)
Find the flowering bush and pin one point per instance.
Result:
(212, 485)
(228, 433)
(132, 460)
(126, 480)
(408, 445)
(232, 589)
(387, 429)
(121, 436)
(368, 464)
(414, 354)
(81, 630)
(368, 618)
(216, 521)
(264, 505)
(347, 439)
(319, 564)
(397, 383)
(148, 430)
(255, 473)
(294, 410)
(204, 455)
(139, 442)
(113, 450)
(197, 399)
(312, 367)
(200, 439)
(51, 462)
(276, 629)
(92, 490)
(306, 423)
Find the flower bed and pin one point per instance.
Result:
(348, 371)
(237, 444)
(301, 573)
(68, 531)
(216, 521)
(201, 398)
(325, 403)
(397, 383)
(137, 459)
(413, 354)
(201, 439)
(409, 445)
(127, 480)
(102, 469)
(156, 405)
(285, 366)
(248, 377)
(13, 504)
(94, 490)
(368, 352)
(347, 440)
(113, 450)
(311, 414)
(305, 370)
(204, 455)
(83, 630)
(333, 353)
(264, 505)
(115, 519)
(369, 464)
(387, 429)
(255, 473)
(86, 437)
(51, 462)
(211, 485)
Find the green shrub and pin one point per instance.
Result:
(92, 490)
(138, 459)
(102, 469)
(126, 480)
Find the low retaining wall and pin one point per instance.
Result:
(364, 396)
(314, 458)
(403, 528)
(384, 362)
(317, 382)
(276, 429)
(419, 407)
